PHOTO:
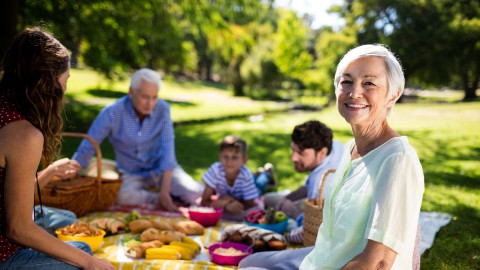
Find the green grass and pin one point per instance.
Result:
(445, 136)
(190, 101)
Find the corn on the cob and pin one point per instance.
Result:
(191, 247)
(189, 240)
(162, 254)
(186, 254)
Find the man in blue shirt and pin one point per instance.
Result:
(140, 129)
(314, 151)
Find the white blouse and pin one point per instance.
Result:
(377, 197)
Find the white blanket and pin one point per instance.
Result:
(430, 224)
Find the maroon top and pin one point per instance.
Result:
(8, 114)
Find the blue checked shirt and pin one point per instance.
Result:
(140, 148)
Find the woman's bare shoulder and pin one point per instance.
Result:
(18, 136)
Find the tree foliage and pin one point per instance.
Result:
(249, 43)
(438, 41)
(290, 54)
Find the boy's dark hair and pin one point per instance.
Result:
(312, 134)
(234, 142)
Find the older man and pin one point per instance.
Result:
(140, 129)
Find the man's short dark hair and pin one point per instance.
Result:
(313, 134)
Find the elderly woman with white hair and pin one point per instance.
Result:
(372, 205)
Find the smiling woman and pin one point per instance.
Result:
(372, 204)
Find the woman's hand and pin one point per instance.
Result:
(64, 168)
(99, 264)
(375, 256)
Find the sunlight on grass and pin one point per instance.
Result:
(445, 136)
(188, 100)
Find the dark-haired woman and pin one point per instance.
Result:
(35, 72)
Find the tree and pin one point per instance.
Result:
(290, 54)
(438, 41)
(330, 48)
(8, 24)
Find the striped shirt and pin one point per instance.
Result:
(140, 148)
(243, 187)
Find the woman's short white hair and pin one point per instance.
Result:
(395, 77)
(145, 74)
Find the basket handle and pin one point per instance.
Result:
(322, 185)
(98, 152)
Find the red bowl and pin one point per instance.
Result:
(207, 219)
(226, 259)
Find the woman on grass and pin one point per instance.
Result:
(35, 72)
(372, 205)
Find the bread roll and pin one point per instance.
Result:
(188, 227)
(139, 225)
(138, 251)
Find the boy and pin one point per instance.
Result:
(230, 179)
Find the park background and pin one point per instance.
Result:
(256, 69)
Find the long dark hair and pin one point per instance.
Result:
(31, 68)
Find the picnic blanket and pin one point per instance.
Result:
(430, 224)
(113, 250)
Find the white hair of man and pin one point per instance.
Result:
(145, 74)
(395, 77)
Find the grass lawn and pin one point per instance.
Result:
(446, 137)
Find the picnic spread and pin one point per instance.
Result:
(116, 246)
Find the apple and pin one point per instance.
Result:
(280, 216)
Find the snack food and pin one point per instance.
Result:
(163, 236)
(110, 225)
(188, 227)
(229, 251)
(139, 251)
(80, 228)
(265, 240)
(141, 225)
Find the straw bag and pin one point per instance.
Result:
(313, 214)
(82, 194)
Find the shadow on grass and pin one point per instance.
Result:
(459, 239)
(105, 93)
(79, 116)
(194, 84)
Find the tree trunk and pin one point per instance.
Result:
(470, 88)
(208, 69)
(237, 79)
(470, 93)
(8, 24)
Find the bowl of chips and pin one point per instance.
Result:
(83, 232)
(228, 253)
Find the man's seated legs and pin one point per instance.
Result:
(135, 191)
(185, 187)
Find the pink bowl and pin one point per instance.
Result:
(207, 219)
(225, 259)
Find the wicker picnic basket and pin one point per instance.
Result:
(82, 194)
(313, 214)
